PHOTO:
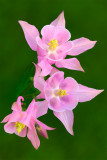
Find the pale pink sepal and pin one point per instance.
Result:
(86, 93)
(42, 108)
(29, 119)
(71, 63)
(9, 127)
(33, 137)
(81, 45)
(40, 96)
(6, 119)
(55, 80)
(31, 110)
(46, 67)
(22, 133)
(38, 78)
(67, 119)
(54, 70)
(30, 33)
(59, 21)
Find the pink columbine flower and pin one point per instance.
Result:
(62, 95)
(18, 122)
(55, 45)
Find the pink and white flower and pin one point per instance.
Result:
(55, 45)
(18, 121)
(62, 95)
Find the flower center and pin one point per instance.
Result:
(53, 44)
(19, 126)
(62, 93)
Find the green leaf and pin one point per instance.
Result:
(26, 81)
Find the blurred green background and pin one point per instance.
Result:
(84, 18)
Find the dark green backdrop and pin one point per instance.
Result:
(84, 18)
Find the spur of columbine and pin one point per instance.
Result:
(18, 121)
(62, 95)
(55, 45)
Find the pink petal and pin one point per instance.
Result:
(54, 70)
(46, 67)
(41, 96)
(41, 43)
(33, 137)
(15, 116)
(56, 56)
(22, 133)
(69, 84)
(64, 48)
(59, 21)
(44, 125)
(62, 35)
(86, 94)
(38, 79)
(43, 133)
(37, 70)
(6, 119)
(81, 45)
(56, 79)
(41, 52)
(48, 33)
(10, 127)
(41, 127)
(59, 33)
(71, 63)
(67, 119)
(48, 91)
(69, 101)
(42, 108)
(56, 105)
(31, 110)
(31, 33)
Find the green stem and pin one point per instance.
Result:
(30, 95)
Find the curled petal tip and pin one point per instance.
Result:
(20, 98)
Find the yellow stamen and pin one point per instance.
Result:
(62, 93)
(19, 126)
(53, 44)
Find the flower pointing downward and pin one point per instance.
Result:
(18, 122)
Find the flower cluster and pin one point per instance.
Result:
(59, 94)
